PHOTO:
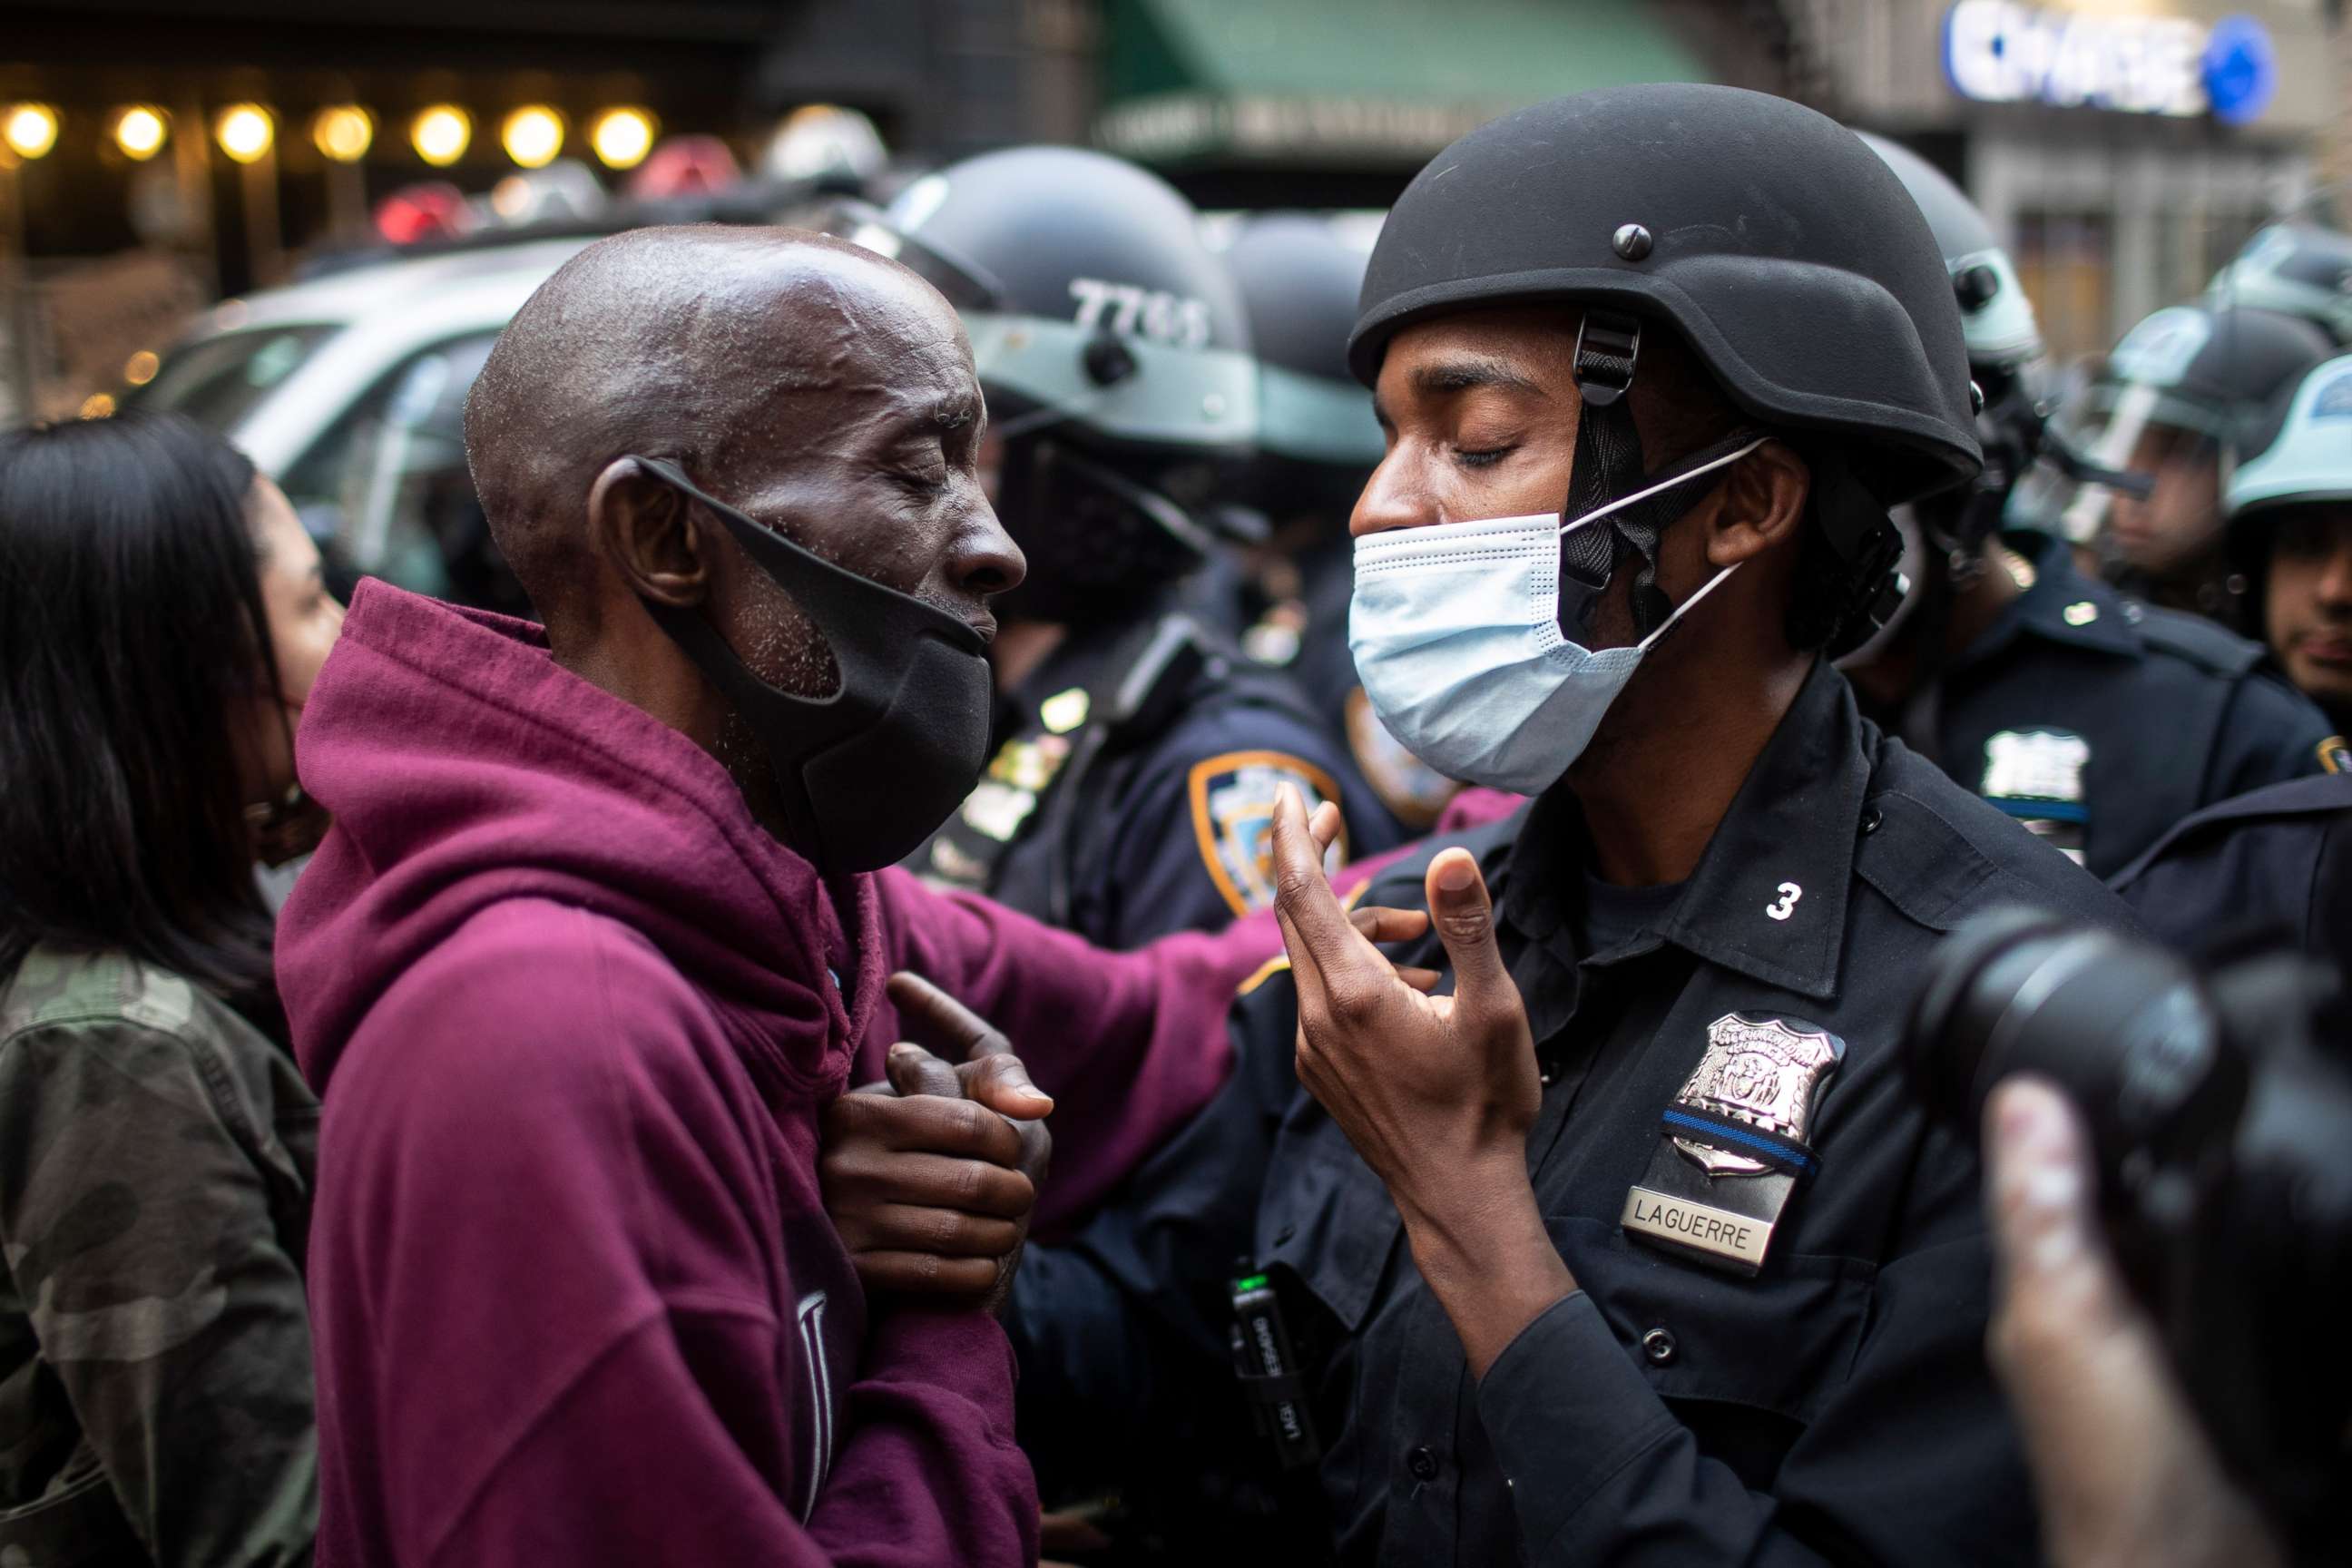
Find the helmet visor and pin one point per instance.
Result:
(1127, 371)
(2135, 470)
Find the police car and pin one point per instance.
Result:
(350, 389)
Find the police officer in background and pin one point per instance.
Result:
(2093, 719)
(1603, 1227)
(2280, 858)
(2174, 405)
(1137, 753)
(1318, 442)
(2291, 536)
(2297, 270)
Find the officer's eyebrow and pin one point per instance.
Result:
(1469, 373)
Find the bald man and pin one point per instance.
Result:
(596, 942)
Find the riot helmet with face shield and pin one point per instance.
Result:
(1114, 353)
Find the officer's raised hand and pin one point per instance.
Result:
(1436, 1093)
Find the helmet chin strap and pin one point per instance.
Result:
(1610, 473)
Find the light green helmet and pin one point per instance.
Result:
(2309, 458)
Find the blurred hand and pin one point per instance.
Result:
(930, 1177)
(2123, 1470)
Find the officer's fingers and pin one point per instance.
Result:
(914, 1070)
(1301, 891)
(1465, 924)
(1324, 823)
(999, 1083)
(939, 1017)
(924, 1274)
(1377, 924)
(1421, 980)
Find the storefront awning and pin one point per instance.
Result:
(1364, 82)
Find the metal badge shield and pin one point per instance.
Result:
(1735, 1149)
(1763, 1074)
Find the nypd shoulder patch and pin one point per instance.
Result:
(2336, 755)
(1232, 797)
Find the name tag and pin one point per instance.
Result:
(1736, 1237)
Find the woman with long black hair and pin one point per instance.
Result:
(162, 618)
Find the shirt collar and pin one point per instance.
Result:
(1787, 843)
(2063, 605)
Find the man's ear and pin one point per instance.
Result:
(647, 531)
(1760, 506)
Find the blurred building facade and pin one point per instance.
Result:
(2123, 150)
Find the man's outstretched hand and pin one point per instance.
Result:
(930, 1177)
(1436, 1093)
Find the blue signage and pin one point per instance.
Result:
(2004, 51)
(2240, 70)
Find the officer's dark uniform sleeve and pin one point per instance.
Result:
(1601, 1471)
(2272, 733)
(1188, 836)
(1148, 1277)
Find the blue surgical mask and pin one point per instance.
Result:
(1455, 629)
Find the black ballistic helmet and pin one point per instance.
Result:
(1316, 436)
(1114, 353)
(1780, 248)
(1786, 255)
(2005, 359)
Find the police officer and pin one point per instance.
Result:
(2093, 719)
(2174, 405)
(2291, 537)
(2297, 270)
(1627, 1241)
(1138, 753)
(2277, 862)
(1318, 442)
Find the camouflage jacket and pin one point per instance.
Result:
(156, 1156)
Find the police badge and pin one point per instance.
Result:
(1735, 1143)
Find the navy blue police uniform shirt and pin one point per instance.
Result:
(2277, 862)
(1836, 1407)
(2100, 722)
(1131, 790)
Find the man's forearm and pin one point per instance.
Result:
(1485, 1252)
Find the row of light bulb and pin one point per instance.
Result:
(533, 135)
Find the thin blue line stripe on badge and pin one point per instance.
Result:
(1780, 1152)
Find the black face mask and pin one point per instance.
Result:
(863, 775)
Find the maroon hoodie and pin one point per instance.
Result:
(575, 1016)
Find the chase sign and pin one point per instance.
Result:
(1999, 51)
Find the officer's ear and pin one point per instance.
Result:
(1760, 506)
(648, 533)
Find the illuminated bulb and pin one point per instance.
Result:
(245, 133)
(140, 130)
(343, 132)
(533, 135)
(441, 133)
(30, 129)
(97, 406)
(621, 137)
(139, 368)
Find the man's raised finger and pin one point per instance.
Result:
(961, 1033)
(1000, 1082)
